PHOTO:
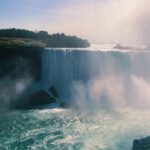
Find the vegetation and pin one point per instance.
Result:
(13, 42)
(41, 38)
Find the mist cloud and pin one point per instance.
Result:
(15, 82)
(112, 93)
(110, 21)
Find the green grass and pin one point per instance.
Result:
(8, 42)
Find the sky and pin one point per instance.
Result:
(99, 21)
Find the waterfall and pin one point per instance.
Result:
(63, 68)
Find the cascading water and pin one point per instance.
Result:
(114, 84)
(97, 76)
(61, 68)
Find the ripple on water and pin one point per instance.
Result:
(66, 130)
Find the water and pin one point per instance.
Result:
(66, 130)
(110, 92)
(85, 74)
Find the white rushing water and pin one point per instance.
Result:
(69, 130)
(105, 79)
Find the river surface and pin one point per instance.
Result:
(58, 129)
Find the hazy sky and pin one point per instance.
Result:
(106, 21)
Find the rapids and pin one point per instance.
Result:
(66, 130)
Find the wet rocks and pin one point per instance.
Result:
(53, 91)
(141, 144)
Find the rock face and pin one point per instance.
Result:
(35, 99)
(64, 104)
(19, 67)
(20, 61)
(141, 144)
(53, 91)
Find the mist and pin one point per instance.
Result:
(15, 83)
(112, 94)
(117, 21)
(122, 82)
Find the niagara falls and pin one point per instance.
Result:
(74, 75)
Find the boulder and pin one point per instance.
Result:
(64, 104)
(53, 91)
(141, 144)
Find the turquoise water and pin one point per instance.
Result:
(57, 129)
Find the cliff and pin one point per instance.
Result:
(16, 61)
(20, 67)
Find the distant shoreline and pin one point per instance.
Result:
(42, 38)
